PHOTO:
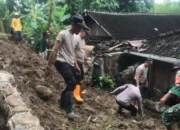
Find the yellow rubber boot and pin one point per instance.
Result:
(77, 94)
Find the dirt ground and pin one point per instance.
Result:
(98, 112)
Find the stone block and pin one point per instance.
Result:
(14, 101)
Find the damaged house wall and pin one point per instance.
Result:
(165, 51)
(160, 75)
(162, 78)
(163, 33)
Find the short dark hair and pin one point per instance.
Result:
(148, 60)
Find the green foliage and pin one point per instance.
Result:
(4, 16)
(10, 5)
(2, 9)
(104, 5)
(166, 7)
(59, 16)
(101, 5)
(36, 20)
(135, 5)
(104, 82)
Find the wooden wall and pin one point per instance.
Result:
(161, 78)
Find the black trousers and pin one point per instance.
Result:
(18, 35)
(130, 108)
(80, 77)
(68, 73)
(143, 89)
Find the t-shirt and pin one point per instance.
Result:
(80, 49)
(16, 24)
(143, 73)
(127, 93)
(67, 45)
(175, 90)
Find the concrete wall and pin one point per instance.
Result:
(19, 116)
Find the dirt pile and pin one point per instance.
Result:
(98, 112)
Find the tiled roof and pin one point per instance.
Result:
(135, 26)
(167, 46)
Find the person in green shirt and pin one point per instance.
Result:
(172, 115)
(44, 45)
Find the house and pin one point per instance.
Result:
(163, 44)
(129, 26)
(165, 52)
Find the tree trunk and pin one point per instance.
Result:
(50, 13)
(1, 26)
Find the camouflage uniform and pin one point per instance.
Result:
(171, 115)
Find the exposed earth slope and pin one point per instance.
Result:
(98, 112)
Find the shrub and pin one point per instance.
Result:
(104, 82)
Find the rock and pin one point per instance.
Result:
(149, 123)
(24, 121)
(5, 78)
(21, 127)
(43, 92)
(19, 109)
(9, 91)
(14, 101)
(37, 128)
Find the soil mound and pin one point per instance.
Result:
(98, 112)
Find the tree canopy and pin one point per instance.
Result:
(166, 7)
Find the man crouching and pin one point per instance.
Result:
(124, 95)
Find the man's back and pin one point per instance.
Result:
(66, 50)
(130, 93)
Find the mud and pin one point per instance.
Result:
(98, 112)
